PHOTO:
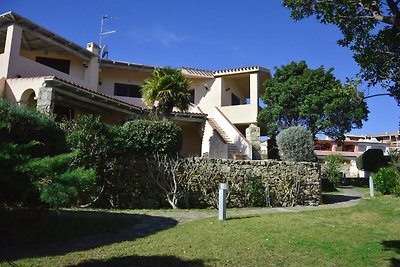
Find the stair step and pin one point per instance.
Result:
(232, 148)
(219, 130)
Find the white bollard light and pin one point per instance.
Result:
(223, 188)
(371, 186)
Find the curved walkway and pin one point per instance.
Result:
(154, 221)
(347, 198)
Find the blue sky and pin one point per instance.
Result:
(207, 35)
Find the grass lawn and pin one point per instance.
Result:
(364, 235)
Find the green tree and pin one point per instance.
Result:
(165, 89)
(370, 28)
(314, 99)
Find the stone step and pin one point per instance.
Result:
(220, 131)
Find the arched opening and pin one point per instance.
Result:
(28, 99)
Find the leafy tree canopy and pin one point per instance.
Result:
(370, 28)
(314, 99)
(165, 89)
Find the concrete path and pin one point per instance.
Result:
(347, 198)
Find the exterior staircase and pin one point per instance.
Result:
(232, 149)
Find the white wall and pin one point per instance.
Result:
(212, 144)
(242, 114)
(16, 87)
(233, 133)
(77, 70)
(108, 77)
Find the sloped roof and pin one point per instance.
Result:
(36, 37)
(197, 72)
(108, 98)
(126, 65)
(240, 70)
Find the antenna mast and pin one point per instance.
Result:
(103, 33)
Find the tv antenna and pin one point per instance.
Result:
(103, 32)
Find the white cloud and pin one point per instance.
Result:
(156, 35)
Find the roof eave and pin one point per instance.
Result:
(14, 18)
(84, 92)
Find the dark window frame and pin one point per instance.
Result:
(128, 90)
(192, 95)
(63, 65)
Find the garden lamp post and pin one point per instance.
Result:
(223, 188)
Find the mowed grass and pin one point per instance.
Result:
(26, 228)
(365, 235)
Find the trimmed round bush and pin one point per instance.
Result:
(371, 160)
(296, 144)
(148, 137)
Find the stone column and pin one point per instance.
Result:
(253, 135)
(45, 100)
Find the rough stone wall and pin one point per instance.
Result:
(45, 100)
(287, 183)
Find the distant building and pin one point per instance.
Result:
(352, 147)
(393, 139)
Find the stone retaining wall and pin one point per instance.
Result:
(284, 183)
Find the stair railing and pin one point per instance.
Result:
(233, 133)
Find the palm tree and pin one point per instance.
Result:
(165, 89)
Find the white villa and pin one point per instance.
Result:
(42, 70)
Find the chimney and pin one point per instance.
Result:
(94, 48)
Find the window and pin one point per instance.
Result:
(235, 100)
(191, 95)
(55, 63)
(123, 89)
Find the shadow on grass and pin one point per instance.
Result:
(141, 261)
(337, 198)
(393, 245)
(55, 242)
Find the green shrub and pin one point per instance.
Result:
(149, 137)
(387, 180)
(24, 134)
(109, 150)
(371, 160)
(255, 190)
(332, 163)
(67, 189)
(21, 126)
(296, 144)
(94, 141)
(59, 182)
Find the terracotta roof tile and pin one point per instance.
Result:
(50, 78)
(239, 70)
(198, 72)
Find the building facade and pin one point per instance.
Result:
(352, 147)
(42, 70)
